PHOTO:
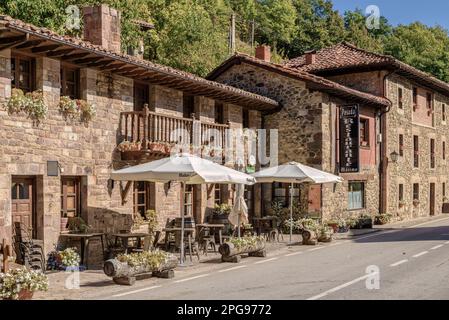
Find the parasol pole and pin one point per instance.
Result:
(291, 212)
(183, 189)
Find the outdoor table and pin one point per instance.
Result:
(84, 239)
(124, 237)
(214, 227)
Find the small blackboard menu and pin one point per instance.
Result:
(349, 139)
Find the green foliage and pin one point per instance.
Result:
(31, 103)
(15, 280)
(246, 242)
(69, 257)
(222, 209)
(192, 35)
(152, 260)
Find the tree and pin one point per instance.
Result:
(422, 47)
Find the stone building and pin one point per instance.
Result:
(59, 166)
(409, 178)
(308, 132)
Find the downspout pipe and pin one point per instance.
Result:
(383, 148)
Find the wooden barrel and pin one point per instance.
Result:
(227, 249)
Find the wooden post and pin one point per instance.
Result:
(146, 112)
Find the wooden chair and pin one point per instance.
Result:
(29, 252)
(205, 239)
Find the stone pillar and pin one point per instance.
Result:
(5, 74)
(5, 206)
(48, 79)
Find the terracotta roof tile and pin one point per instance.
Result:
(50, 35)
(316, 82)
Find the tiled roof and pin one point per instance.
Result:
(171, 76)
(346, 57)
(314, 82)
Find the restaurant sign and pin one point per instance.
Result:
(349, 139)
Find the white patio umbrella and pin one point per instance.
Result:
(292, 173)
(187, 169)
(239, 213)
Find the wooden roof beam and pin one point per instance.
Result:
(112, 66)
(100, 64)
(75, 56)
(42, 49)
(10, 42)
(60, 53)
(88, 60)
(29, 44)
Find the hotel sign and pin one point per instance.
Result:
(349, 139)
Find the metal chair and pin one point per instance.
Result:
(205, 239)
(29, 252)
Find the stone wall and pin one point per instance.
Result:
(307, 134)
(402, 121)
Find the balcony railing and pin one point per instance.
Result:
(142, 128)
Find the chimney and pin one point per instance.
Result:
(102, 27)
(263, 52)
(310, 57)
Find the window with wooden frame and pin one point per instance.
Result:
(70, 82)
(443, 112)
(217, 194)
(416, 151)
(189, 196)
(416, 192)
(245, 118)
(281, 193)
(23, 71)
(70, 197)
(400, 98)
(443, 150)
(429, 101)
(432, 153)
(219, 112)
(401, 193)
(141, 95)
(364, 132)
(401, 145)
(356, 195)
(415, 98)
(141, 198)
(188, 105)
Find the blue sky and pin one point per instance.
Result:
(429, 12)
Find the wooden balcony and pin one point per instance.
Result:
(146, 134)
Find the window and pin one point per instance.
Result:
(141, 95)
(281, 193)
(432, 153)
(245, 119)
(356, 195)
(429, 100)
(70, 197)
(401, 145)
(188, 200)
(401, 192)
(188, 105)
(416, 151)
(443, 112)
(443, 151)
(22, 73)
(443, 191)
(400, 98)
(249, 198)
(219, 115)
(20, 191)
(70, 82)
(141, 198)
(217, 194)
(416, 191)
(364, 132)
(415, 98)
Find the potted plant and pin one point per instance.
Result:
(62, 260)
(20, 284)
(382, 219)
(78, 225)
(31, 103)
(324, 233)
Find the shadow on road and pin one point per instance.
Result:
(440, 233)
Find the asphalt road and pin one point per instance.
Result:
(410, 263)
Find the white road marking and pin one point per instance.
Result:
(347, 284)
(315, 249)
(447, 242)
(135, 291)
(420, 254)
(231, 269)
(192, 278)
(398, 263)
(294, 254)
(436, 247)
(267, 260)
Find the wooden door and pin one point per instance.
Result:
(432, 199)
(70, 197)
(22, 201)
